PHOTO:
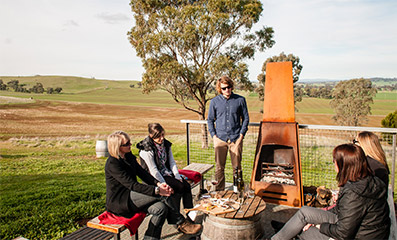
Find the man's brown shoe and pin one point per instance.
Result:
(188, 227)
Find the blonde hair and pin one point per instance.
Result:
(224, 80)
(369, 142)
(114, 142)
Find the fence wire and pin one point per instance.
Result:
(316, 145)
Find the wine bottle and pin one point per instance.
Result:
(240, 181)
(235, 179)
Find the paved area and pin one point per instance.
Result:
(169, 232)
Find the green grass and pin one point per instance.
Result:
(314, 105)
(384, 103)
(47, 186)
(69, 84)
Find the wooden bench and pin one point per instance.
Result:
(88, 233)
(202, 168)
(116, 229)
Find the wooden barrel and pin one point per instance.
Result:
(219, 228)
(101, 148)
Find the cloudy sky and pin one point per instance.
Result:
(335, 39)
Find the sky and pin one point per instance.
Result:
(334, 39)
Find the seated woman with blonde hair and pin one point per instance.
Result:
(369, 142)
(125, 196)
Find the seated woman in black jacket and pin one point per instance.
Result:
(125, 196)
(361, 211)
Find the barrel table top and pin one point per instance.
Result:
(249, 208)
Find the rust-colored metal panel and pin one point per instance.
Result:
(279, 93)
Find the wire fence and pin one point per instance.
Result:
(316, 145)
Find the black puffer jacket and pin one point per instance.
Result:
(147, 144)
(362, 210)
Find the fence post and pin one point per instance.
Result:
(187, 144)
(393, 154)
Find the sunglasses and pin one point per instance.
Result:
(126, 144)
(224, 88)
(355, 141)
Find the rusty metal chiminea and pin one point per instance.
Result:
(276, 175)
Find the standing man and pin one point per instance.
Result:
(227, 122)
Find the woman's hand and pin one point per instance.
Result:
(305, 228)
(165, 189)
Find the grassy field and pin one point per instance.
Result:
(50, 178)
(50, 186)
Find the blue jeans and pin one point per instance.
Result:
(304, 216)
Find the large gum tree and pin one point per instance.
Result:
(186, 45)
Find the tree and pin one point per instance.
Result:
(296, 71)
(50, 90)
(38, 88)
(390, 121)
(13, 84)
(186, 45)
(58, 90)
(2, 85)
(351, 101)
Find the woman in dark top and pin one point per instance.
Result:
(361, 211)
(369, 142)
(125, 196)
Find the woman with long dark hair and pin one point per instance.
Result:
(156, 157)
(361, 211)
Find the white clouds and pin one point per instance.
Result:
(83, 38)
(112, 18)
(71, 23)
(334, 39)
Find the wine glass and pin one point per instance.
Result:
(214, 182)
(208, 185)
(249, 192)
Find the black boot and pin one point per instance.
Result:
(277, 226)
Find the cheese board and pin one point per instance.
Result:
(215, 206)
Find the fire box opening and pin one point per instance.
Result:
(276, 165)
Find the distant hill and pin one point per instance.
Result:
(69, 84)
(383, 81)
(318, 80)
(377, 81)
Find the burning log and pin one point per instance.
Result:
(278, 174)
